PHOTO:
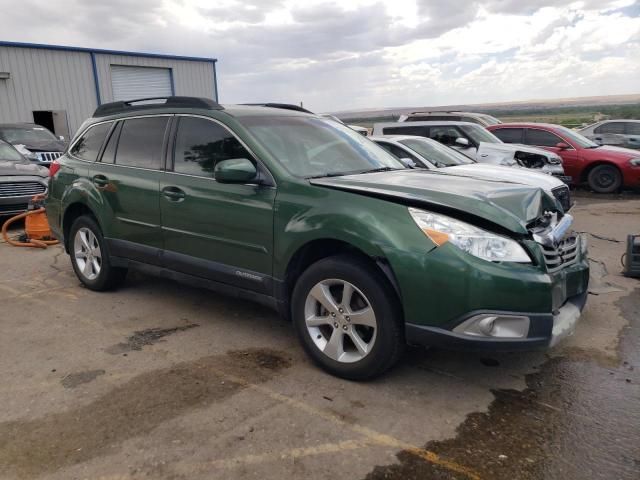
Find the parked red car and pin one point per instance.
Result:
(605, 168)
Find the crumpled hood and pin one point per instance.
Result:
(8, 168)
(515, 174)
(509, 205)
(508, 149)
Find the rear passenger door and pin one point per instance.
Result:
(127, 178)
(223, 232)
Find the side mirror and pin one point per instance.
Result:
(235, 170)
(562, 145)
(462, 141)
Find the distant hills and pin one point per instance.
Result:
(511, 108)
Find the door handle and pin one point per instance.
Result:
(173, 193)
(100, 181)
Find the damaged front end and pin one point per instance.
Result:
(522, 155)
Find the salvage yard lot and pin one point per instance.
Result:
(161, 380)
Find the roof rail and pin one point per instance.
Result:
(143, 104)
(284, 106)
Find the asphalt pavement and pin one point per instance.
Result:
(160, 380)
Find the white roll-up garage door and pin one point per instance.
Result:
(130, 83)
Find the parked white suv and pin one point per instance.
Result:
(619, 133)
(478, 144)
(479, 118)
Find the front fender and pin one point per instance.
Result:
(378, 228)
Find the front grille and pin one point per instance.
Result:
(48, 156)
(20, 189)
(565, 254)
(563, 195)
(13, 208)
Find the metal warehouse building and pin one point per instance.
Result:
(59, 87)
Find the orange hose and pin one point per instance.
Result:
(32, 242)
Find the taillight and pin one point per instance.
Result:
(53, 168)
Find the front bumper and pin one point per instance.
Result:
(545, 330)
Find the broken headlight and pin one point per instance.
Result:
(469, 238)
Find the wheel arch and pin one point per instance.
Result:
(584, 175)
(317, 249)
(73, 211)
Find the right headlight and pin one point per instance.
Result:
(469, 238)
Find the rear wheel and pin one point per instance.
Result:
(347, 317)
(605, 179)
(89, 256)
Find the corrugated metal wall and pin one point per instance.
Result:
(46, 80)
(189, 77)
(43, 79)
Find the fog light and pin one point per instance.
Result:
(496, 326)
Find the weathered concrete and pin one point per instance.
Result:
(160, 380)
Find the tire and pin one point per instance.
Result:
(371, 320)
(90, 257)
(605, 179)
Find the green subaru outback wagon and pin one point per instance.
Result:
(307, 216)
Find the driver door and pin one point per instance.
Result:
(223, 232)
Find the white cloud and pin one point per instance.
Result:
(335, 55)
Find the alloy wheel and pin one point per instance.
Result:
(86, 251)
(340, 320)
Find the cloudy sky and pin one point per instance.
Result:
(351, 54)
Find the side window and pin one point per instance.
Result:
(509, 135)
(397, 151)
(610, 127)
(140, 143)
(109, 153)
(405, 130)
(542, 138)
(200, 144)
(632, 128)
(446, 135)
(89, 144)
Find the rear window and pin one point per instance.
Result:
(141, 141)
(509, 135)
(88, 145)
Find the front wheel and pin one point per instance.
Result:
(89, 256)
(346, 315)
(605, 179)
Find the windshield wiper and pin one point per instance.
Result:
(381, 169)
(324, 175)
